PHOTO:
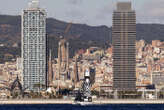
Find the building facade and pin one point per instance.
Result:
(157, 78)
(124, 48)
(34, 47)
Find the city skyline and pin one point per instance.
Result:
(89, 12)
(129, 68)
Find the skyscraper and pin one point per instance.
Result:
(124, 50)
(34, 47)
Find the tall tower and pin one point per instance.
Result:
(76, 75)
(124, 50)
(63, 59)
(34, 47)
(50, 71)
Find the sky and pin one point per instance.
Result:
(91, 12)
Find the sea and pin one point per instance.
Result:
(88, 107)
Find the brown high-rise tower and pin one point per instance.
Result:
(124, 51)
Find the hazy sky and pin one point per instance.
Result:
(91, 12)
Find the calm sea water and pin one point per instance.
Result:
(78, 107)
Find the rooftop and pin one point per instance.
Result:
(124, 6)
(34, 4)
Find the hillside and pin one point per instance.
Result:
(80, 35)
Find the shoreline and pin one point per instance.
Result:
(95, 102)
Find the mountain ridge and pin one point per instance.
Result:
(80, 36)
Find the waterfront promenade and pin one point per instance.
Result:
(43, 101)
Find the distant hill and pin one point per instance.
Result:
(80, 36)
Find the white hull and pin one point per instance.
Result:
(83, 103)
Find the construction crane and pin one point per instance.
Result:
(67, 28)
(63, 54)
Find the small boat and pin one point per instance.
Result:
(82, 103)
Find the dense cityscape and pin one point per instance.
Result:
(126, 69)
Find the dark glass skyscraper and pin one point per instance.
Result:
(124, 50)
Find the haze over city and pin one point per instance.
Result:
(91, 12)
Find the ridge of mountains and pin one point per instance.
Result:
(80, 36)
